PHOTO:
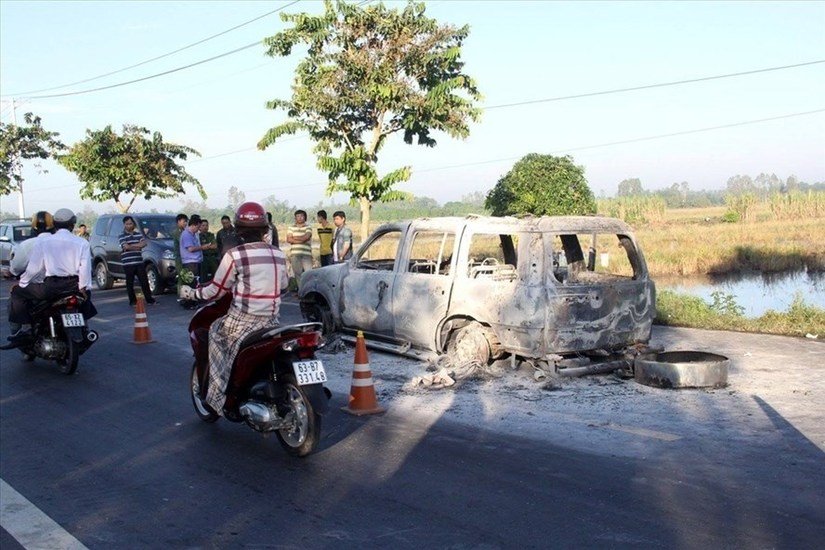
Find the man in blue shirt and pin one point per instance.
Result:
(191, 250)
(132, 244)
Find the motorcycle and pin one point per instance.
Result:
(59, 332)
(276, 384)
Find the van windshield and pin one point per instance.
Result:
(157, 227)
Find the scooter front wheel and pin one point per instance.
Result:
(302, 436)
(202, 409)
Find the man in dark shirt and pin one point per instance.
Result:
(132, 244)
(182, 220)
(210, 254)
(227, 237)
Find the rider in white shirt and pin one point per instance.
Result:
(65, 260)
(43, 227)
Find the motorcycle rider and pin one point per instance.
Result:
(255, 273)
(42, 227)
(65, 262)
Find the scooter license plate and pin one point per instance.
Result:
(309, 372)
(73, 320)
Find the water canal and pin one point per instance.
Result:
(755, 292)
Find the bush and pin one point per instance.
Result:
(542, 185)
(730, 217)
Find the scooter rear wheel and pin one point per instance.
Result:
(68, 364)
(302, 437)
(202, 409)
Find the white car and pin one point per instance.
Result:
(536, 288)
(12, 233)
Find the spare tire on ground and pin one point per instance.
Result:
(682, 369)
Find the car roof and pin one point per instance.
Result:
(578, 224)
(140, 215)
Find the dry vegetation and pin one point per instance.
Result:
(696, 241)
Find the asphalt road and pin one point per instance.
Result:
(116, 456)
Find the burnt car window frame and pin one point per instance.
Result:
(383, 264)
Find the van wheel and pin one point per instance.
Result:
(470, 343)
(103, 279)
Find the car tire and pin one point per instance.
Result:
(103, 279)
(470, 343)
(317, 311)
(155, 283)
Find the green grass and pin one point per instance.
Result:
(724, 314)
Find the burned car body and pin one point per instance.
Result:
(537, 288)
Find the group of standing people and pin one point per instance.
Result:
(198, 249)
(335, 245)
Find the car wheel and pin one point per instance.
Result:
(155, 284)
(470, 343)
(103, 279)
(315, 311)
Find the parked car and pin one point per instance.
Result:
(12, 233)
(158, 256)
(483, 287)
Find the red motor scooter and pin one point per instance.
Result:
(276, 385)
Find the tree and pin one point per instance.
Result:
(740, 184)
(19, 143)
(542, 185)
(236, 197)
(369, 73)
(630, 188)
(124, 167)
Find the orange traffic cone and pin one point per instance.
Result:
(362, 393)
(142, 333)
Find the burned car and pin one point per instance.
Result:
(536, 288)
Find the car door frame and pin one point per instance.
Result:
(112, 250)
(421, 300)
(366, 294)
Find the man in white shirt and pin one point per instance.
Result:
(43, 227)
(65, 260)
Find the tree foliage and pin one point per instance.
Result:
(124, 167)
(236, 197)
(371, 72)
(630, 187)
(19, 143)
(542, 185)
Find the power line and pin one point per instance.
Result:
(244, 150)
(649, 86)
(208, 38)
(65, 94)
(633, 140)
(605, 92)
(569, 150)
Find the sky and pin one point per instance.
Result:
(516, 52)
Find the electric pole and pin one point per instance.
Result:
(21, 209)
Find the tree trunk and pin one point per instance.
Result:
(366, 205)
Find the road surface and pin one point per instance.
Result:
(116, 458)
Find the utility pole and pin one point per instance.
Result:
(21, 209)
